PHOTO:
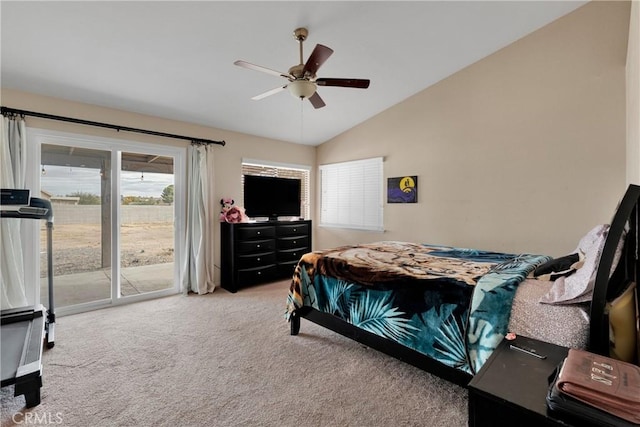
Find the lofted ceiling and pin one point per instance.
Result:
(174, 59)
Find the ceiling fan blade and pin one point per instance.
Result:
(319, 55)
(316, 101)
(269, 93)
(355, 83)
(250, 66)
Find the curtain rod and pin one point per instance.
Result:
(6, 110)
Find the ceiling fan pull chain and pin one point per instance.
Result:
(301, 122)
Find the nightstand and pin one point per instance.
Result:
(511, 387)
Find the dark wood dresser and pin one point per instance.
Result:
(259, 252)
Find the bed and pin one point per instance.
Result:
(445, 309)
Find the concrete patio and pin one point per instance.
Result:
(92, 286)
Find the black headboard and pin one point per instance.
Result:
(625, 219)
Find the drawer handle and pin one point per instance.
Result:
(258, 259)
(294, 242)
(259, 233)
(259, 273)
(295, 229)
(257, 246)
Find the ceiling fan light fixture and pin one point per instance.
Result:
(301, 88)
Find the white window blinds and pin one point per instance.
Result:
(352, 194)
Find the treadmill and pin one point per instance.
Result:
(24, 329)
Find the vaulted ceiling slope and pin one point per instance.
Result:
(174, 59)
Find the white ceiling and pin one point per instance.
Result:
(175, 59)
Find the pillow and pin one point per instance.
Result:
(558, 267)
(622, 325)
(578, 287)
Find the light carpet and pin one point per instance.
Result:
(224, 360)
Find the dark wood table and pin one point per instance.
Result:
(511, 387)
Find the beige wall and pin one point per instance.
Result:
(521, 151)
(227, 159)
(633, 96)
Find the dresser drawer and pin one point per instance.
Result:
(293, 229)
(254, 233)
(293, 242)
(286, 269)
(255, 246)
(256, 260)
(291, 255)
(256, 275)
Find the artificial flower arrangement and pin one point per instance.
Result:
(231, 213)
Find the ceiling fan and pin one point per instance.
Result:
(302, 78)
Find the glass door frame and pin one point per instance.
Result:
(35, 139)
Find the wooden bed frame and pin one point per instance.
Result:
(605, 290)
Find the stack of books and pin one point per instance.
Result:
(596, 389)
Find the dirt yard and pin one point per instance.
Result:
(77, 247)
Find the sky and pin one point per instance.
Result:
(65, 180)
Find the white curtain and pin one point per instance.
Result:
(202, 217)
(13, 161)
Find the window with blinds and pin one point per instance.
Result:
(351, 194)
(252, 167)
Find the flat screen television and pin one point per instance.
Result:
(267, 196)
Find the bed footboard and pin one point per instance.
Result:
(379, 343)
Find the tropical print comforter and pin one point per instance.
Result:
(451, 304)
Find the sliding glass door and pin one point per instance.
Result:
(146, 223)
(115, 214)
(77, 183)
